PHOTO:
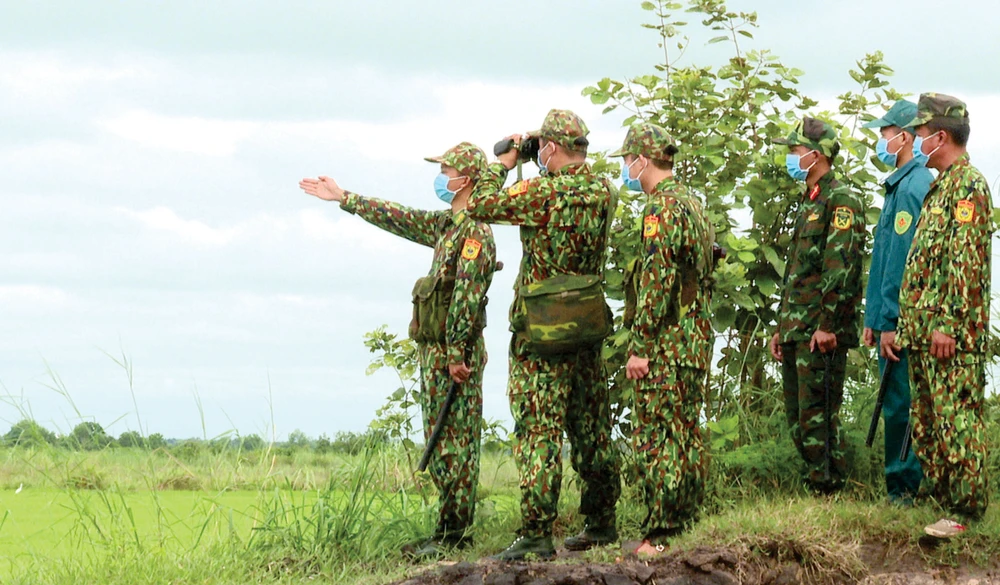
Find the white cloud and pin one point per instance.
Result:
(25, 296)
(201, 136)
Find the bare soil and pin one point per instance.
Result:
(763, 563)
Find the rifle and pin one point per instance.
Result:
(449, 399)
(828, 412)
(904, 451)
(883, 387)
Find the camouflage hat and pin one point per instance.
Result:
(938, 105)
(565, 128)
(648, 140)
(814, 134)
(898, 115)
(465, 157)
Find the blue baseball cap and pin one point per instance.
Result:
(899, 115)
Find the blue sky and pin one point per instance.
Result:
(151, 153)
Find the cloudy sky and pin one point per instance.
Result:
(150, 152)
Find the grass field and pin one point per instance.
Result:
(128, 516)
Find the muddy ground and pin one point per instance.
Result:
(763, 563)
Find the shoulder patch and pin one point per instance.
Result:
(518, 188)
(965, 211)
(903, 221)
(471, 248)
(843, 217)
(650, 226)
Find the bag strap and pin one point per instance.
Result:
(609, 218)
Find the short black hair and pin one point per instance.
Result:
(957, 129)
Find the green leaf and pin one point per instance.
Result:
(646, 6)
(718, 39)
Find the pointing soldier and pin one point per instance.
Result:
(818, 315)
(904, 195)
(670, 344)
(449, 316)
(557, 381)
(944, 316)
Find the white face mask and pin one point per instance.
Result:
(544, 166)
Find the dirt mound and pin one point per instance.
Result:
(704, 566)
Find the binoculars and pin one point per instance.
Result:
(526, 151)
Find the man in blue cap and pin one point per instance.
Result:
(904, 196)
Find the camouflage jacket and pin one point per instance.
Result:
(668, 295)
(822, 285)
(562, 218)
(462, 247)
(946, 283)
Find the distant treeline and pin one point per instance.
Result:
(91, 436)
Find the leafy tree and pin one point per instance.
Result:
(90, 436)
(299, 439)
(155, 441)
(725, 118)
(28, 433)
(131, 439)
(323, 444)
(252, 442)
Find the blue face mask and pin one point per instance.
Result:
(630, 183)
(794, 169)
(441, 188)
(882, 150)
(543, 168)
(918, 151)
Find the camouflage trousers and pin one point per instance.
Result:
(669, 454)
(454, 466)
(902, 478)
(948, 431)
(804, 382)
(550, 395)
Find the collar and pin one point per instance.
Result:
(572, 169)
(823, 184)
(668, 184)
(897, 175)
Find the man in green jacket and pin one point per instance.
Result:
(944, 316)
(818, 316)
(464, 262)
(904, 195)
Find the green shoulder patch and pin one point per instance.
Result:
(903, 221)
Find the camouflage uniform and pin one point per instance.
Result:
(562, 226)
(668, 313)
(466, 249)
(821, 291)
(904, 195)
(946, 288)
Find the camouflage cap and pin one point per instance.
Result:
(647, 139)
(565, 128)
(466, 158)
(898, 115)
(938, 105)
(814, 134)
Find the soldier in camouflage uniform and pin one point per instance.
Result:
(562, 217)
(818, 315)
(944, 315)
(464, 249)
(667, 310)
(904, 195)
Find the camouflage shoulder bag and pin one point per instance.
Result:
(431, 300)
(567, 312)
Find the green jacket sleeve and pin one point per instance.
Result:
(656, 282)
(910, 199)
(844, 243)
(474, 272)
(525, 203)
(966, 269)
(415, 225)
